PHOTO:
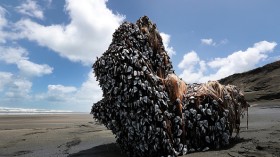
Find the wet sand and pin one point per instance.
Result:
(50, 135)
(77, 135)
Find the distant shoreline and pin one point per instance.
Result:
(40, 113)
(33, 111)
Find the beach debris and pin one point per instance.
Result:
(151, 111)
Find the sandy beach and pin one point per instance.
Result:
(78, 135)
(50, 134)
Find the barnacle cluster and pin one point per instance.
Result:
(149, 109)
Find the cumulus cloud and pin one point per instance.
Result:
(166, 40)
(90, 91)
(211, 42)
(5, 78)
(19, 56)
(14, 87)
(3, 23)
(61, 89)
(12, 55)
(194, 68)
(57, 93)
(30, 8)
(3, 20)
(19, 88)
(28, 68)
(208, 42)
(88, 34)
(82, 97)
(6, 28)
(189, 60)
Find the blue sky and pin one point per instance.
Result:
(47, 47)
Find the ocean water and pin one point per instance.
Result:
(21, 111)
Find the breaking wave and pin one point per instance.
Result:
(9, 110)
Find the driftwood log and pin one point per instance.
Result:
(151, 111)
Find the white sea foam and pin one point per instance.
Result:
(9, 110)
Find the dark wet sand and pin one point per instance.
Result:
(77, 135)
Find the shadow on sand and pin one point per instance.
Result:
(113, 150)
(107, 150)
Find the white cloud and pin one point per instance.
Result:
(61, 89)
(80, 99)
(166, 40)
(188, 64)
(18, 56)
(90, 91)
(12, 55)
(211, 42)
(208, 42)
(194, 68)
(5, 78)
(19, 89)
(28, 68)
(88, 34)
(189, 60)
(30, 8)
(3, 23)
(59, 93)
(14, 88)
